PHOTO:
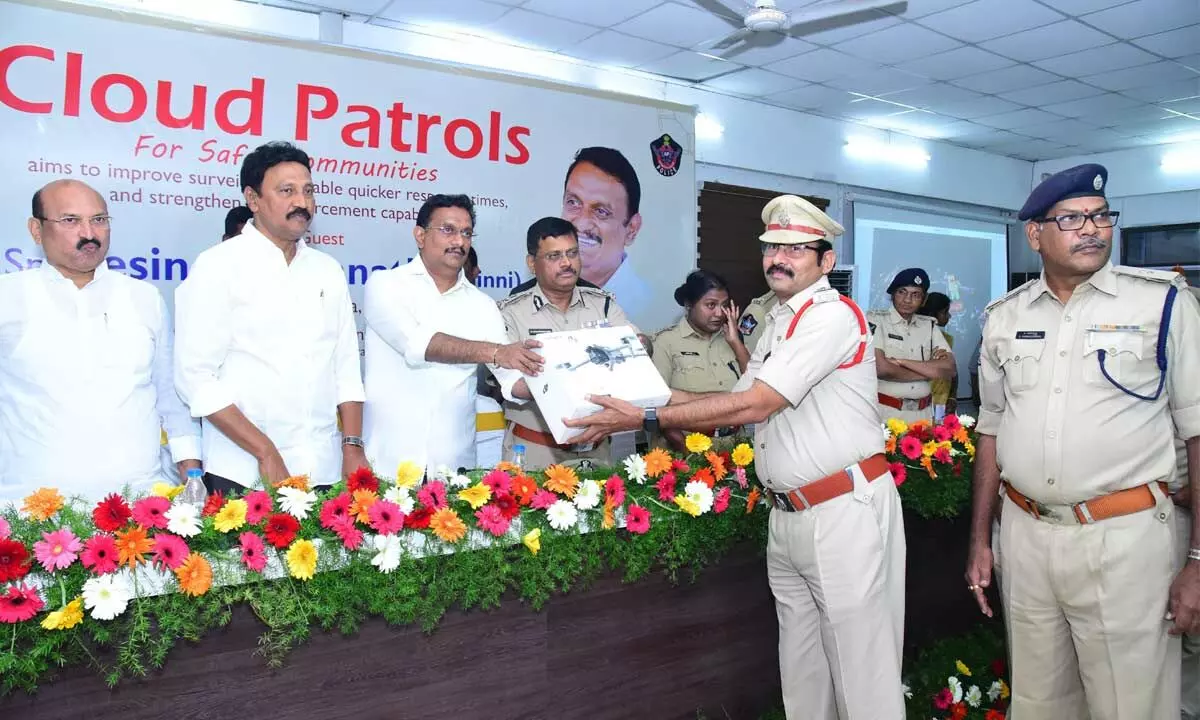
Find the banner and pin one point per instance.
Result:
(158, 117)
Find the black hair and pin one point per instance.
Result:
(547, 227)
(697, 284)
(612, 162)
(267, 156)
(444, 201)
(235, 219)
(472, 258)
(38, 208)
(935, 303)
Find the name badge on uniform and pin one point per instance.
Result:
(539, 331)
(896, 337)
(1031, 334)
(689, 352)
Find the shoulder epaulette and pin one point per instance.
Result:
(515, 298)
(825, 295)
(590, 289)
(763, 299)
(527, 285)
(1009, 295)
(1161, 276)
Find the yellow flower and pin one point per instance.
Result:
(970, 449)
(1004, 691)
(477, 495)
(929, 448)
(42, 504)
(897, 426)
(408, 474)
(68, 617)
(232, 516)
(166, 490)
(302, 559)
(962, 667)
(689, 506)
(533, 540)
(697, 442)
(742, 455)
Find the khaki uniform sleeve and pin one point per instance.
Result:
(662, 357)
(825, 337)
(991, 381)
(877, 326)
(617, 317)
(1183, 369)
(514, 329)
(939, 339)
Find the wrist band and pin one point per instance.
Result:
(354, 440)
(495, 353)
(1194, 554)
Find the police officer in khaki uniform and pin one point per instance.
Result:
(1181, 494)
(753, 321)
(1086, 375)
(555, 302)
(910, 350)
(835, 549)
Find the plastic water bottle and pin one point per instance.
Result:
(518, 456)
(193, 491)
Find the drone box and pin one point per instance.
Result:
(595, 361)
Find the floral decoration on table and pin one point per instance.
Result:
(932, 463)
(961, 678)
(136, 574)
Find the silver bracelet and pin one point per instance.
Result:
(1194, 554)
(354, 440)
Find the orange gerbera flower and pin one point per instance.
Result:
(132, 546)
(928, 465)
(889, 447)
(561, 480)
(705, 476)
(506, 466)
(363, 500)
(194, 575)
(42, 504)
(658, 461)
(447, 525)
(717, 463)
(609, 521)
(524, 488)
(960, 435)
(300, 482)
(751, 500)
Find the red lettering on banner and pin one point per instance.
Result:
(304, 94)
(8, 56)
(451, 138)
(254, 118)
(424, 124)
(515, 134)
(370, 124)
(398, 115)
(194, 118)
(100, 98)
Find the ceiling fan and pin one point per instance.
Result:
(764, 19)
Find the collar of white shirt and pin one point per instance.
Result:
(416, 268)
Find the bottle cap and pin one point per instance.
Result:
(195, 473)
(519, 448)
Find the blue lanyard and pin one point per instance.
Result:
(1160, 352)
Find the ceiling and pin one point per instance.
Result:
(1032, 79)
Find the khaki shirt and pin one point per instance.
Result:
(1181, 463)
(691, 362)
(912, 339)
(754, 320)
(529, 314)
(1064, 433)
(831, 421)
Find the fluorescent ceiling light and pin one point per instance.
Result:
(1182, 160)
(864, 148)
(707, 127)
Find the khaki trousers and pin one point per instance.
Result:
(837, 573)
(1085, 607)
(539, 457)
(887, 411)
(1190, 667)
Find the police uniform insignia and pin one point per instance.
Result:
(917, 281)
(689, 352)
(747, 324)
(872, 326)
(1098, 183)
(538, 303)
(784, 220)
(665, 153)
(1031, 334)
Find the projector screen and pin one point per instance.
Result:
(966, 259)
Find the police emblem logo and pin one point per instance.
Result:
(666, 153)
(747, 324)
(917, 281)
(784, 220)
(1098, 183)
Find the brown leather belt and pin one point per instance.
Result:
(1121, 502)
(828, 487)
(905, 403)
(538, 437)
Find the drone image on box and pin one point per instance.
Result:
(609, 357)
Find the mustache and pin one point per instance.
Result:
(302, 212)
(590, 236)
(781, 268)
(83, 242)
(455, 251)
(1089, 244)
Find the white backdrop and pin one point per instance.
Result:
(158, 116)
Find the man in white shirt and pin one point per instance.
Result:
(85, 363)
(428, 329)
(266, 350)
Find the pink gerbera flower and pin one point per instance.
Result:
(721, 501)
(637, 521)
(151, 512)
(666, 487)
(258, 506)
(253, 553)
(614, 491)
(350, 535)
(433, 495)
(944, 699)
(499, 481)
(385, 517)
(100, 554)
(336, 511)
(19, 603)
(899, 473)
(739, 474)
(941, 434)
(942, 455)
(543, 499)
(680, 466)
(911, 447)
(170, 551)
(5, 530)
(951, 423)
(57, 550)
(491, 519)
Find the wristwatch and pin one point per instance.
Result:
(650, 421)
(354, 440)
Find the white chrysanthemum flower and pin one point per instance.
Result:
(635, 466)
(459, 481)
(700, 494)
(562, 515)
(106, 596)
(183, 519)
(887, 434)
(974, 696)
(402, 497)
(904, 686)
(387, 552)
(296, 502)
(994, 691)
(966, 420)
(588, 495)
(443, 472)
(956, 688)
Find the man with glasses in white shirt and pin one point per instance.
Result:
(266, 349)
(428, 330)
(85, 363)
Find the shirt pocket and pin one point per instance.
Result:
(1020, 361)
(1130, 359)
(129, 345)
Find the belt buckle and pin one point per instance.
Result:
(910, 405)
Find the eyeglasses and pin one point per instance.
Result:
(558, 255)
(449, 231)
(1076, 221)
(792, 251)
(74, 222)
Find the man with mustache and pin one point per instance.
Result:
(1086, 375)
(910, 350)
(266, 350)
(835, 546)
(555, 303)
(428, 330)
(602, 197)
(85, 363)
